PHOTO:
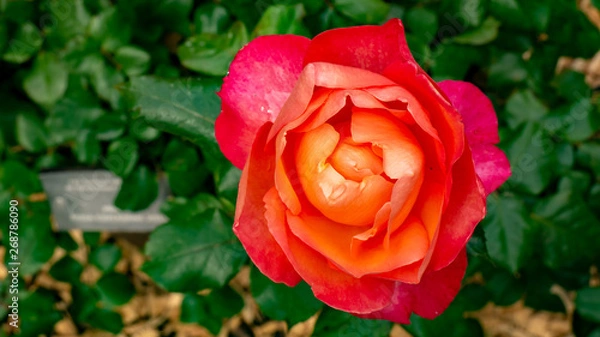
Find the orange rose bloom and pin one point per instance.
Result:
(362, 176)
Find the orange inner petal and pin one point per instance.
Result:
(355, 162)
(333, 240)
(402, 155)
(328, 190)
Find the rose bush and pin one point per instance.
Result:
(361, 175)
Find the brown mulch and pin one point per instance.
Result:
(152, 312)
(589, 67)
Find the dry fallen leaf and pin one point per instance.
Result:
(590, 68)
(520, 321)
(592, 13)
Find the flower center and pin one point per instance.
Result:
(345, 171)
(355, 161)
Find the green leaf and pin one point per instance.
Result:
(504, 287)
(3, 36)
(569, 229)
(122, 156)
(84, 303)
(588, 155)
(17, 11)
(211, 53)
(363, 12)
(50, 161)
(422, 22)
(185, 107)
(19, 179)
(422, 327)
(143, 132)
(66, 241)
(451, 61)
(2, 143)
(471, 11)
(75, 111)
(104, 78)
(105, 319)
(138, 191)
(179, 156)
(164, 70)
(67, 269)
(133, 60)
(477, 245)
(187, 183)
(507, 69)
(38, 313)
(523, 15)
(481, 35)
(110, 126)
(282, 19)
(594, 199)
(173, 14)
(184, 208)
(211, 18)
(30, 132)
(571, 85)
(209, 311)
(334, 323)
(510, 11)
(227, 182)
(69, 20)
(508, 231)
(111, 28)
(452, 317)
(282, 303)
(575, 181)
(575, 122)
(539, 12)
(114, 289)
(105, 257)
(24, 45)
(587, 303)
(532, 157)
(565, 156)
(193, 310)
(91, 238)
(538, 280)
(190, 255)
(224, 302)
(329, 19)
(47, 81)
(36, 243)
(87, 148)
(523, 106)
(471, 297)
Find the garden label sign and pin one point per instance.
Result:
(85, 200)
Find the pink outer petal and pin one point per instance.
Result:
(465, 209)
(367, 47)
(491, 165)
(260, 79)
(250, 224)
(332, 286)
(481, 123)
(481, 129)
(429, 298)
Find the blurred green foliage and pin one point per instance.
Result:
(129, 86)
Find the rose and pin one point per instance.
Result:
(361, 175)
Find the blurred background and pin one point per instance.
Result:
(106, 131)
